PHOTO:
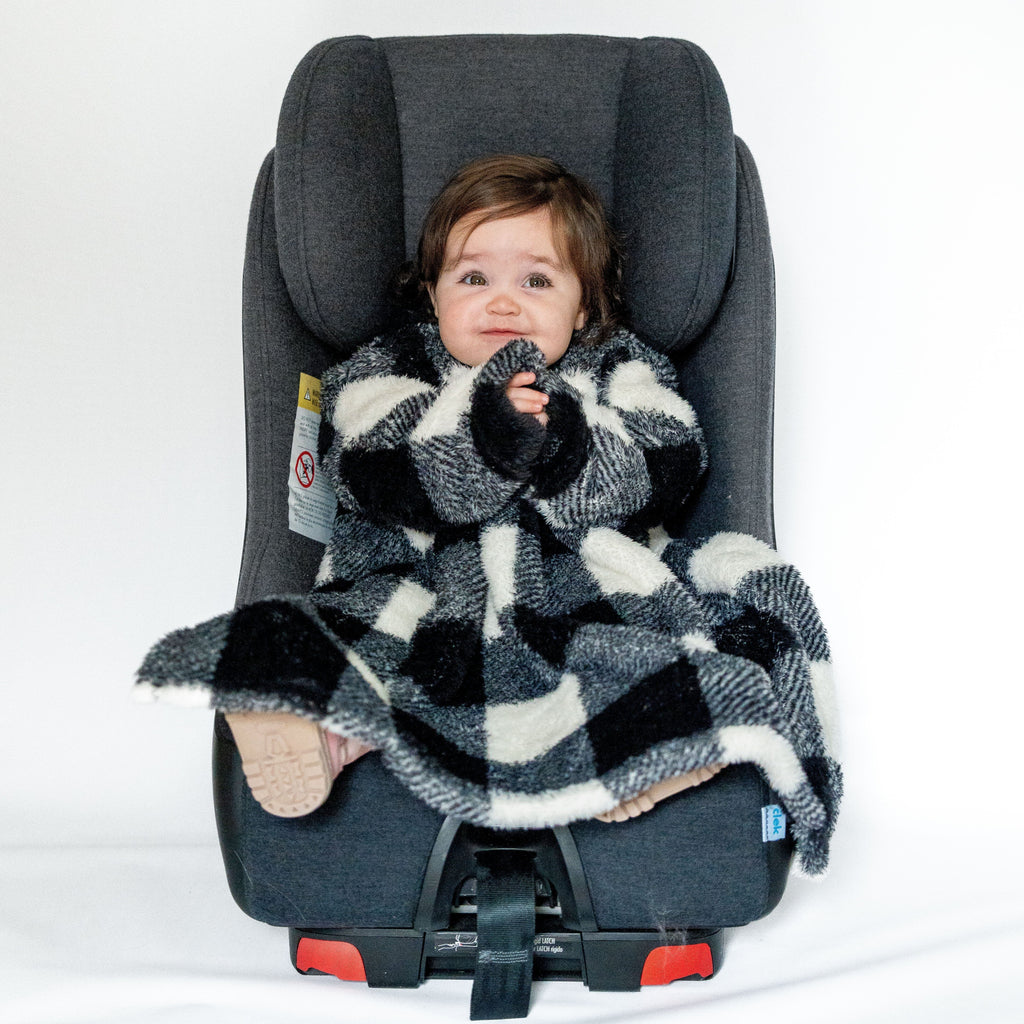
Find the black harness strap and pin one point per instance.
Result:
(505, 924)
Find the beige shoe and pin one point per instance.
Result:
(286, 761)
(646, 800)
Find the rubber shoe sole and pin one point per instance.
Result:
(285, 761)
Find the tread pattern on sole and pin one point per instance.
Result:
(285, 762)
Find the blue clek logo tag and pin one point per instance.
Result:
(773, 823)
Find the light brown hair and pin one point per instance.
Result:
(508, 185)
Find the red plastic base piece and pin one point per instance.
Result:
(341, 959)
(670, 963)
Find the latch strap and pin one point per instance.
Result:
(506, 924)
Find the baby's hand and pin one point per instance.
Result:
(526, 399)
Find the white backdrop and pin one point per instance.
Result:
(888, 138)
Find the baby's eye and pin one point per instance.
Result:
(474, 278)
(537, 281)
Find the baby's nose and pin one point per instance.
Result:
(503, 303)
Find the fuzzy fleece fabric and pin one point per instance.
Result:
(502, 611)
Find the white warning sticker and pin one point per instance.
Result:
(311, 501)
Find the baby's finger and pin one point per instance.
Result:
(522, 378)
(527, 400)
(531, 393)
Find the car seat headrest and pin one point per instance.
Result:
(371, 129)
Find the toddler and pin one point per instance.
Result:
(472, 452)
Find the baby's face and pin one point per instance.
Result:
(504, 279)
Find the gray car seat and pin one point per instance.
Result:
(376, 885)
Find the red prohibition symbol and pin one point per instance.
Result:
(305, 469)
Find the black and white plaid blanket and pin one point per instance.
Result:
(502, 613)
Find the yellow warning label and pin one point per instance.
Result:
(309, 393)
(311, 499)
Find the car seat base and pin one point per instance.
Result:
(603, 961)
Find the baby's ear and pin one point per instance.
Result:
(581, 319)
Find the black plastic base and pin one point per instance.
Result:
(603, 961)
